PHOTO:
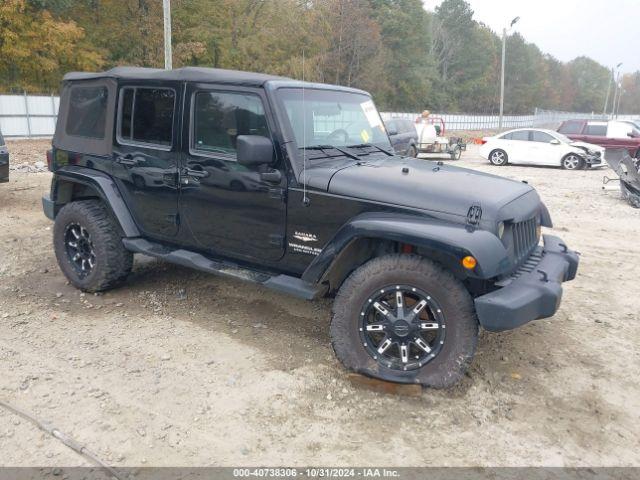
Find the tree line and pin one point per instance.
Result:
(408, 58)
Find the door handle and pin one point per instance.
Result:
(127, 160)
(197, 173)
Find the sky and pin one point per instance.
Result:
(606, 30)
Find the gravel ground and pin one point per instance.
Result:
(179, 368)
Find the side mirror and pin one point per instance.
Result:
(392, 131)
(254, 150)
(555, 141)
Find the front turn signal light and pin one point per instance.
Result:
(469, 262)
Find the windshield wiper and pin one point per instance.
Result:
(364, 145)
(331, 147)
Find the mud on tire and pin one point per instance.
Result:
(454, 355)
(101, 243)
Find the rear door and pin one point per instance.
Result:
(519, 147)
(596, 133)
(145, 155)
(227, 208)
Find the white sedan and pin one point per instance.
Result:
(537, 146)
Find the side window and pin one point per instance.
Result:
(571, 128)
(391, 125)
(218, 118)
(506, 136)
(522, 135)
(598, 130)
(540, 137)
(87, 112)
(145, 116)
(407, 126)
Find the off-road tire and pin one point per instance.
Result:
(112, 261)
(456, 153)
(496, 161)
(456, 353)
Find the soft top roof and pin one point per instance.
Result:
(194, 74)
(202, 74)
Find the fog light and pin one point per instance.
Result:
(469, 262)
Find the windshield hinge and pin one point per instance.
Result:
(474, 215)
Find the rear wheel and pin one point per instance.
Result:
(572, 161)
(498, 157)
(403, 319)
(89, 248)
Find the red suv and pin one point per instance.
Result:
(607, 134)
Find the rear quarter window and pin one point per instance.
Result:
(87, 112)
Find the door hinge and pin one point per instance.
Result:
(277, 240)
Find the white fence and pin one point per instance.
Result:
(28, 115)
(35, 116)
(540, 118)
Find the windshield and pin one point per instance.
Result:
(562, 138)
(332, 118)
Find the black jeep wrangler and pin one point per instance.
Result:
(4, 161)
(294, 186)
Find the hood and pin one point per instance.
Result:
(425, 185)
(588, 146)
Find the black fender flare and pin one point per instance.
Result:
(104, 187)
(454, 240)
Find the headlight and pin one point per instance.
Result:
(500, 230)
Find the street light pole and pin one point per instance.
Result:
(504, 49)
(166, 10)
(606, 99)
(615, 94)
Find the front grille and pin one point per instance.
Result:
(525, 238)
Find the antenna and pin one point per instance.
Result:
(305, 199)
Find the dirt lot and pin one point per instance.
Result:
(183, 368)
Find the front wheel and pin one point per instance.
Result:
(402, 318)
(498, 157)
(456, 153)
(572, 161)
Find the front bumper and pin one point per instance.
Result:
(534, 291)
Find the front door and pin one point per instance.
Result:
(227, 208)
(145, 156)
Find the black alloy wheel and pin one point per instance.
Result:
(80, 249)
(402, 327)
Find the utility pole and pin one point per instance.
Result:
(504, 49)
(606, 99)
(615, 87)
(615, 94)
(166, 10)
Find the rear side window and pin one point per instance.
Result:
(1, 139)
(570, 128)
(219, 117)
(146, 116)
(596, 130)
(87, 112)
(522, 135)
(506, 136)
